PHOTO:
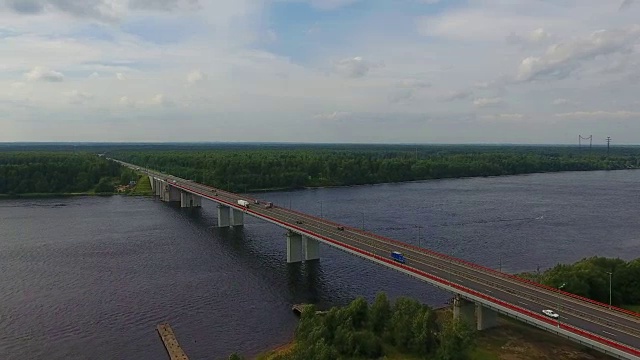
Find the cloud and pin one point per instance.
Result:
(94, 75)
(355, 67)
(40, 73)
(126, 101)
(562, 59)
(503, 117)
(336, 115)
(457, 95)
(414, 83)
(534, 37)
(625, 4)
(195, 77)
(160, 99)
(599, 115)
(560, 101)
(120, 76)
(107, 10)
(401, 96)
(78, 97)
(331, 4)
(487, 102)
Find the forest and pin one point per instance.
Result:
(363, 331)
(40, 172)
(265, 168)
(590, 277)
(68, 168)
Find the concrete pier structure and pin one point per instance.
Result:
(188, 200)
(310, 248)
(463, 310)
(485, 317)
(174, 194)
(153, 183)
(223, 216)
(237, 217)
(294, 247)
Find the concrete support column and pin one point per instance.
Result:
(223, 216)
(196, 201)
(310, 248)
(485, 317)
(157, 185)
(175, 194)
(188, 200)
(153, 183)
(463, 310)
(294, 247)
(237, 217)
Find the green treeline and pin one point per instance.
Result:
(255, 169)
(58, 173)
(363, 331)
(589, 277)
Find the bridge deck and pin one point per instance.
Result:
(170, 342)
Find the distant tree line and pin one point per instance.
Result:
(58, 172)
(255, 169)
(363, 331)
(589, 277)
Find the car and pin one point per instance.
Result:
(341, 228)
(550, 313)
(298, 221)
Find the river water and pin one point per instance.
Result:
(90, 277)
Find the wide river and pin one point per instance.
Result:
(90, 277)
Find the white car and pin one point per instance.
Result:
(550, 313)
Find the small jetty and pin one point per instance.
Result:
(170, 342)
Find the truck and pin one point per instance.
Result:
(397, 256)
(244, 203)
(269, 205)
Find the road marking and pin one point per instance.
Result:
(608, 333)
(523, 303)
(489, 291)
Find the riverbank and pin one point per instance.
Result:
(510, 340)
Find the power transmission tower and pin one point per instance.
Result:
(608, 142)
(580, 138)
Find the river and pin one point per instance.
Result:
(90, 277)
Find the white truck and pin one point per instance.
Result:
(244, 203)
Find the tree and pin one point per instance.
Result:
(380, 313)
(456, 339)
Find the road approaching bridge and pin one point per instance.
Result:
(484, 291)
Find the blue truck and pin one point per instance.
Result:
(397, 256)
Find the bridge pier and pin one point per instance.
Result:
(165, 192)
(237, 217)
(157, 186)
(463, 310)
(153, 183)
(188, 200)
(310, 248)
(223, 216)
(175, 194)
(294, 247)
(485, 317)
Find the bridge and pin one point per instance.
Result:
(480, 293)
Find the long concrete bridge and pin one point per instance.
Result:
(480, 293)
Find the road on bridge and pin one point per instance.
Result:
(614, 325)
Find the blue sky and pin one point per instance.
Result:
(425, 71)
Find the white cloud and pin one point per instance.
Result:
(195, 77)
(487, 102)
(78, 97)
(161, 99)
(94, 75)
(534, 37)
(457, 95)
(120, 76)
(560, 101)
(562, 59)
(40, 73)
(336, 115)
(331, 4)
(355, 67)
(599, 115)
(503, 117)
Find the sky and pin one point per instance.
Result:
(337, 71)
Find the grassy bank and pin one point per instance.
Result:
(143, 187)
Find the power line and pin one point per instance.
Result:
(608, 142)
